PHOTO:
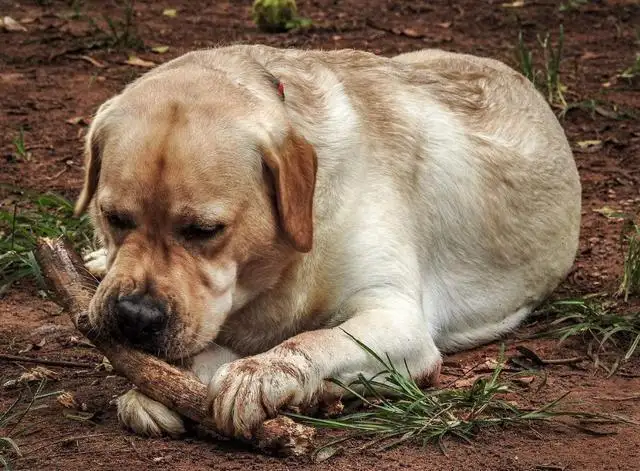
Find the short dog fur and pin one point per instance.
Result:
(258, 207)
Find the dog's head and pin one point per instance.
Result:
(202, 194)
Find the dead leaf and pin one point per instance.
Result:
(12, 25)
(93, 61)
(525, 380)
(606, 113)
(490, 364)
(445, 25)
(516, 4)
(611, 213)
(412, 33)
(77, 120)
(136, 61)
(324, 453)
(466, 382)
(67, 400)
(160, 49)
(170, 12)
(80, 342)
(38, 374)
(589, 55)
(105, 365)
(26, 349)
(589, 144)
(80, 416)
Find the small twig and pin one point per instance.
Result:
(53, 177)
(42, 361)
(39, 146)
(563, 361)
(632, 397)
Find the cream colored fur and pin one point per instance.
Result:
(447, 206)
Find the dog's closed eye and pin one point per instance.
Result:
(197, 232)
(120, 222)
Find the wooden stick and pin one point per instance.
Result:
(73, 287)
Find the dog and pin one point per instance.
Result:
(262, 209)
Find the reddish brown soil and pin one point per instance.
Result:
(44, 82)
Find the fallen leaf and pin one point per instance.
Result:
(26, 349)
(77, 341)
(93, 61)
(105, 365)
(160, 49)
(516, 4)
(170, 12)
(490, 364)
(324, 453)
(136, 61)
(79, 416)
(412, 33)
(77, 120)
(67, 400)
(608, 212)
(466, 382)
(606, 113)
(12, 25)
(590, 143)
(589, 55)
(38, 374)
(525, 380)
(445, 25)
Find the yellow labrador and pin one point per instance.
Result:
(259, 206)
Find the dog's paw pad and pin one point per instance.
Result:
(147, 417)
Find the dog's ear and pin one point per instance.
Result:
(92, 158)
(293, 168)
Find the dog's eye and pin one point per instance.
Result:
(119, 221)
(198, 232)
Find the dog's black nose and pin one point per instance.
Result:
(140, 319)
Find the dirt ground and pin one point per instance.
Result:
(60, 70)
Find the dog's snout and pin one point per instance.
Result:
(141, 318)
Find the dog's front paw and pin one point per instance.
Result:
(246, 392)
(147, 417)
(96, 263)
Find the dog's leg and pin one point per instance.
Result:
(96, 262)
(247, 391)
(149, 418)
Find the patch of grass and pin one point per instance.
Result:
(20, 146)
(631, 276)
(572, 5)
(632, 71)
(629, 238)
(277, 16)
(398, 411)
(120, 32)
(600, 324)
(37, 215)
(547, 78)
(10, 419)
